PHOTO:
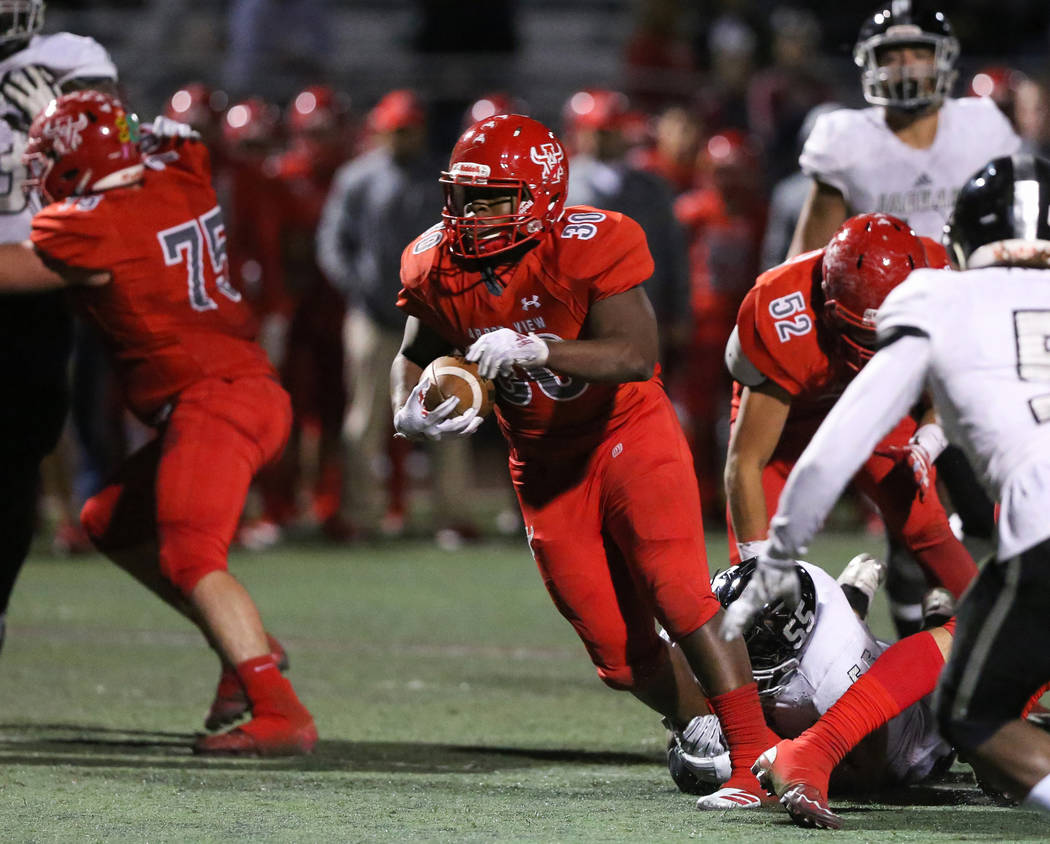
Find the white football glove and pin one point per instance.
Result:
(498, 352)
(162, 128)
(413, 421)
(774, 580)
(29, 90)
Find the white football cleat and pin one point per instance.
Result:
(729, 798)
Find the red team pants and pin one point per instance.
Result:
(184, 491)
(919, 525)
(617, 535)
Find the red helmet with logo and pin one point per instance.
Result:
(507, 154)
(83, 142)
(867, 257)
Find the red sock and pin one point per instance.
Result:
(905, 673)
(745, 729)
(268, 690)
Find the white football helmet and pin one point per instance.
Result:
(20, 20)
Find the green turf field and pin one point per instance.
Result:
(453, 704)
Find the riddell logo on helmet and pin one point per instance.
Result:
(65, 132)
(469, 168)
(550, 156)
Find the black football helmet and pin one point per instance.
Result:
(778, 634)
(910, 88)
(20, 20)
(1002, 215)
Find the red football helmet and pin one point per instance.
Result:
(504, 154)
(198, 105)
(999, 83)
(867, 257)
(400, 109)
(596, 108)
(317, 108)
(83, 142)
(252, 123)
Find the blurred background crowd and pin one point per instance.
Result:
(329, 123)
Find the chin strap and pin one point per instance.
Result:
(492, 284)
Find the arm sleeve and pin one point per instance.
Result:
(873, 403)
(822, 155)
(80, 58)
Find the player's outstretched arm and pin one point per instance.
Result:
(759, 424)
(621, 342)
(22, 271)
(825, 210)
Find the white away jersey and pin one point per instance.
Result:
(989, 374)
(838, 650)
(855, 151)
(69, 57)
(841, 648)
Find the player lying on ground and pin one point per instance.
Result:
(140, 243)
(804, 660)
(978, 340)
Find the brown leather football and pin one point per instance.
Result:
(452, 375)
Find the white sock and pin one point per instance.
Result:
(1039, 796)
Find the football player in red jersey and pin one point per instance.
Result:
(802, 333)
(141, 244)
(302, 318)
(549, 301)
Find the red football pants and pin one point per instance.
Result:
(184, 491)
(617, 535)
(921, 526)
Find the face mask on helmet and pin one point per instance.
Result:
(776, 639)
(866, 258)
(20, 20)
(890, 79)
(510, 157)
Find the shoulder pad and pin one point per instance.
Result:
(421, 255)
(738, 364)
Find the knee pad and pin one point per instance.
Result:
(187, 555)
(630, 675)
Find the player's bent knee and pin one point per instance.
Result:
(185, 558)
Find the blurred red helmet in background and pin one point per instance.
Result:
(251, 123)
(398, 109)
(198, 105)
(317, 108)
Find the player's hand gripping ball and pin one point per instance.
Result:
(452, 376)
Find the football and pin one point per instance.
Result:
(451, 376)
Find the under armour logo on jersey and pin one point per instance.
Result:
(65, 130)
(550, 156)
(534, 302)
